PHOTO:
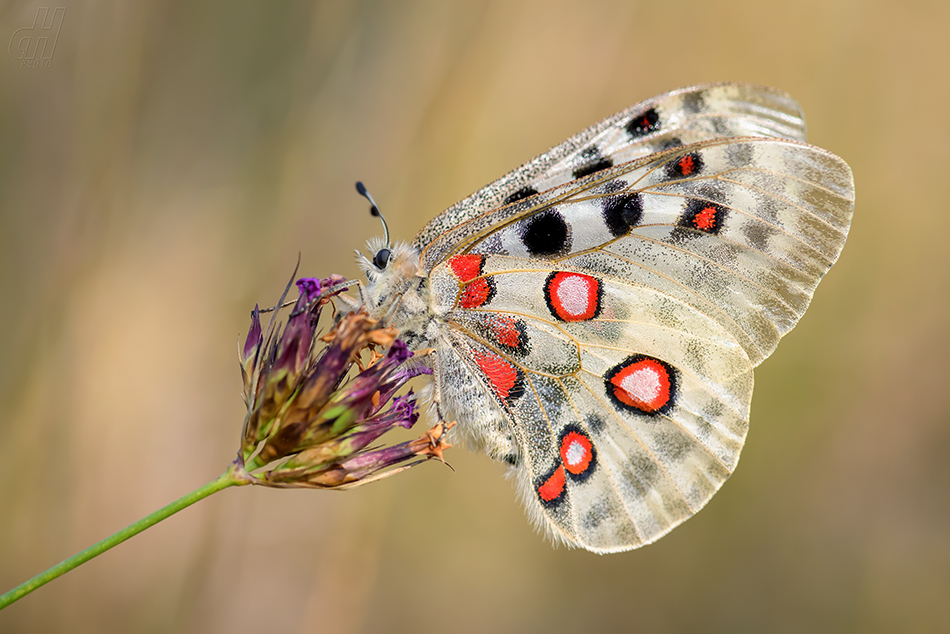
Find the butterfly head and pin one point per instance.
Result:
(388, 260)
(394, 274)
(393, 271)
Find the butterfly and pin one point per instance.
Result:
(594, 316)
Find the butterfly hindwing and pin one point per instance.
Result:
(613, 447)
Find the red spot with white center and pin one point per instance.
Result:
(505, 379)
(642, 383)
(573, 296)
(577, 452)
(551, 490)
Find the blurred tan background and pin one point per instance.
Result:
(161, 176)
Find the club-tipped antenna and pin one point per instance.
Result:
(374, 210)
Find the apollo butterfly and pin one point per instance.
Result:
(595, 314)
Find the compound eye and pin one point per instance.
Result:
(381, 259)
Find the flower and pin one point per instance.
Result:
(311, 421)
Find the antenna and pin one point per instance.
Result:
(374, 210)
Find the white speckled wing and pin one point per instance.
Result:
(602, 309)
(681, 117)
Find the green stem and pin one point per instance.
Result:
(231, 477)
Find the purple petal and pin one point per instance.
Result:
(253, 335)
(333, 280)
(309, 289)
(398, 351)
(295, 343)
(403, 412)
(363, 464)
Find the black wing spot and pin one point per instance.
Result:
(592, 161)
(670, 143)
(622, 213)
(546, 234)
(644, 123)
(521, 194)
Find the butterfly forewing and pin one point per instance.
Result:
(748, 226)
(677, 118)
(597, 313)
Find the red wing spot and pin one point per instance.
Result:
(644, 123)
(467, 267)
(476, 293)
(505, 379)
(576, 452)
(642, 383)
(506, 331)
(705, 219)
(573, 296)
(705, 216)
(552, 488)
(686, 165)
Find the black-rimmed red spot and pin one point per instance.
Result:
(521, 194)
(591, 160)
(642, 384)
(622, 212)
(507, 381)
(577, 453)
(476, 291)
(508, 333)
(703, 216)
(467, 267)
(546, 234)
(573, 296)
(687, 165)
(551, 487)
(644, 123)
